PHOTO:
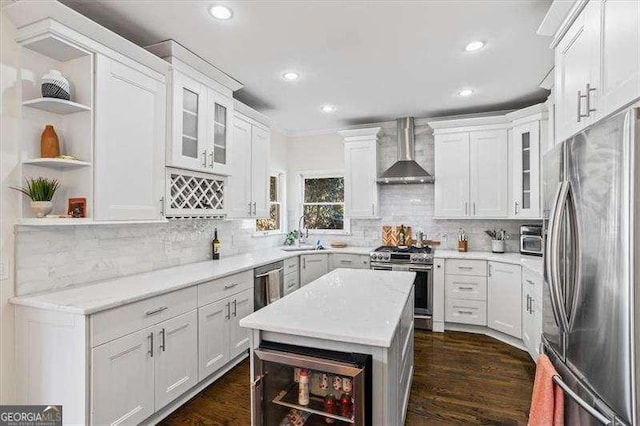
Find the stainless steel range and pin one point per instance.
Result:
(412, 259)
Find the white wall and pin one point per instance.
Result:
(9, 200)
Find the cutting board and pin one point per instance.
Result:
(390, 235)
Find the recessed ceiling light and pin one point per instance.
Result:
(220, 12)
(291, 75)
(465, 92)
(328, 108)
(474, 45)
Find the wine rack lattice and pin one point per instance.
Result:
(193, 194)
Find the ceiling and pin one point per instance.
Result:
(374, 61)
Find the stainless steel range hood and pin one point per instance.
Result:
(405, 170)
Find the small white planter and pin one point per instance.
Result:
(41, 208)
(497, 246)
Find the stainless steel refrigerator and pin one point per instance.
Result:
(591, 314)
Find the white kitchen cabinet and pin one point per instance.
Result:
(597, 64)
(248, 187)
(361, 171)
(189, 140)
(313, 266)
(452, 190)
(531, 312)
(504, 311)
(291, 283)
(352, 261)
(220, 336)
(213, 338)
(219, 132)
(489, 163)
(129, 134)
(526, 170)
(620, 56)
(122, 379)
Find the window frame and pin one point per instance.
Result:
(281, 179)
(319, 174)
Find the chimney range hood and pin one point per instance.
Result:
(405, 170)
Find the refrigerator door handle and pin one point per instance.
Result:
(555, 255)
(581, 402)
(551, 256)
(576, 264)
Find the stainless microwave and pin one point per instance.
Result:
(531, 240)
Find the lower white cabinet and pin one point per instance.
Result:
(312, 267)
(291, 283)
(123, 379)
(504, 311)
(351, 261)
(176, 357)
(531, 312)
(138, 374)
(220, 336)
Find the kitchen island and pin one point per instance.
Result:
(348, 311)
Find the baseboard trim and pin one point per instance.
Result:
(181, 400)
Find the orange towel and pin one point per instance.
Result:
(547, 399)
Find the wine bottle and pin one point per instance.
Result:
(402, 236)
(215, 245)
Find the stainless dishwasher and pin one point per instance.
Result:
(260, 283)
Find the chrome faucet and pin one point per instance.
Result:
(300, 229)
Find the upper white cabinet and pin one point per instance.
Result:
(129, 123)
(489, 162)
(361, 171)
(597, 63)
(248, 187)
(471, 168)
(529, 134)
(452, 189)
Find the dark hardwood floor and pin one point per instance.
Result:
(459, 378)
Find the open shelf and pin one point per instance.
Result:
(57, 163)
(289, 398)
(56, 106)
(65, 221)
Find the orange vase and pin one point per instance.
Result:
(49, 145)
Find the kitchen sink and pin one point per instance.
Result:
(298, 248)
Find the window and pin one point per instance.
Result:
(323, 202)
(273, 224)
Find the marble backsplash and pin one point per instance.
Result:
(55, 257)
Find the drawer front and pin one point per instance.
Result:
(291, 283)
(215, 290)
(354, 261)
(466, 311)
(291, 265)
(117, 322)
(466, 267)
(465, 287)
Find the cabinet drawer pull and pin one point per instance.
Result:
(530, 282)
(204, 158)
(211, 159)
(465, 267)
(465, 312)
(228, 316)
(249, 208)
(465, 288)
(515, 207)
(235, 312)
(163, 343)
(150, 352)
(345, 261)
(156, 311)
(254, 209)
(580, 96)
(589, 109)
(230, 286)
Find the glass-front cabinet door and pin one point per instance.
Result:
(219, 128)
(526, 171)
(189, 145)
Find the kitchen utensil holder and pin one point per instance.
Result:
(463, 245)
(497, 246)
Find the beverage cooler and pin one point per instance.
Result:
(298, 386)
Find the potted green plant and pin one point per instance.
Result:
(41, 191)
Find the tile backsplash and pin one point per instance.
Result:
(56, 257)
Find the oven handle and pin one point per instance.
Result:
(389, 267)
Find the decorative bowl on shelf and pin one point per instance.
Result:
(41, 208)
(54, 85)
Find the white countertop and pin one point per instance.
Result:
(346, 305)
(91, 298)
(533, 263)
